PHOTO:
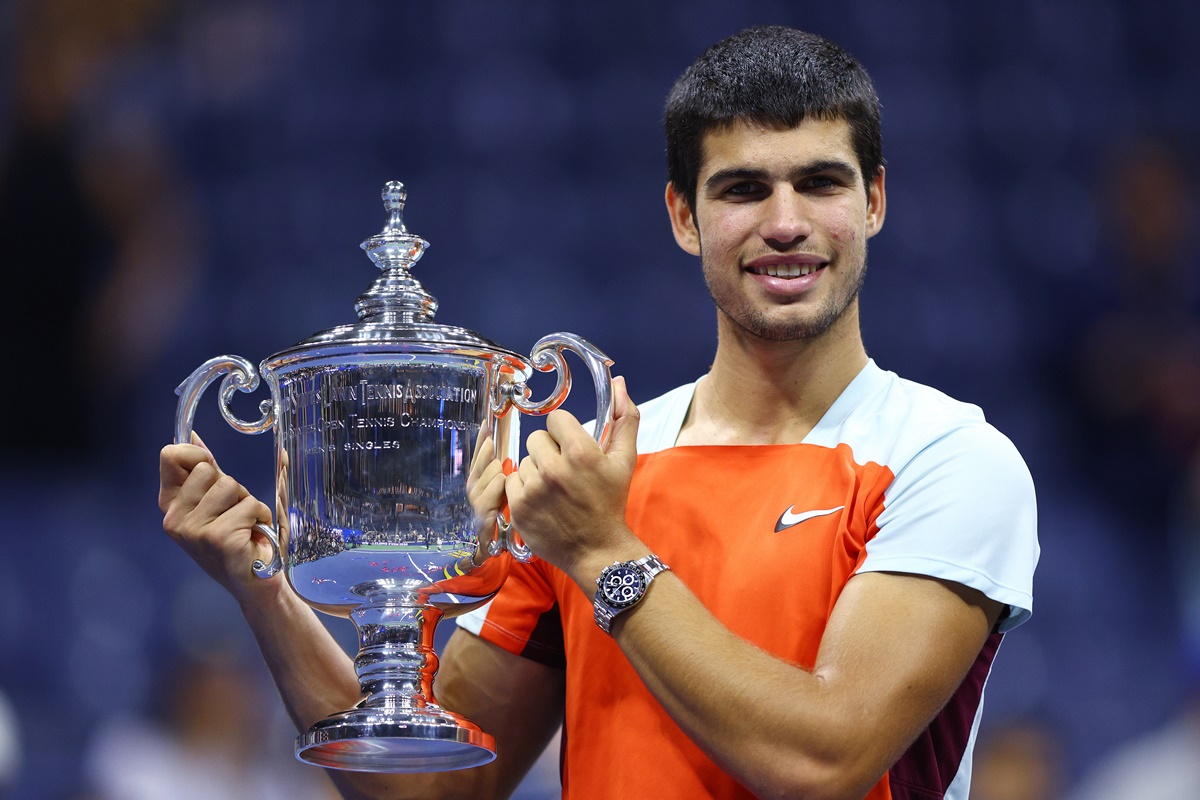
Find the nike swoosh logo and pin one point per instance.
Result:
(791, 518)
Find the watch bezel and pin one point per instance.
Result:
(631, 568)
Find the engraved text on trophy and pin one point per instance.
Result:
(378, 457)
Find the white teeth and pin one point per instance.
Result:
(786, 270)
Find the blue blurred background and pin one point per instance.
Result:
(180, 180)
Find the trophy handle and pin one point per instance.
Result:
(240, 375)
(265, 569)
(547, 355)
(512, 540)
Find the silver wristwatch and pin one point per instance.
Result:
(622, 585)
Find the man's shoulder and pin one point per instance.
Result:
(919, 402)
(884, 417)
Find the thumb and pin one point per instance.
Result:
(626, 419)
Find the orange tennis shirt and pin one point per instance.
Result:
(895, 477)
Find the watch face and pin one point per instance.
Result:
(622, 586)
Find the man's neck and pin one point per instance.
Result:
(772, 392)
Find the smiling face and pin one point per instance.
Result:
(781, 223)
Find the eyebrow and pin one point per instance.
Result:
(842, 168)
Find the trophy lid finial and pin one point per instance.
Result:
(395, 313)
(395, 294)
(394, 195)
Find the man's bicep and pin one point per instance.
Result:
(897, 647)
(515, 699)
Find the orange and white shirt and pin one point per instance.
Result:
(895, 477)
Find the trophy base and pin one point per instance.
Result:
(371, 740)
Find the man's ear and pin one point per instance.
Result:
(683, 221)
(876, 204)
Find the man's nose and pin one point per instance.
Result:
(786, 219)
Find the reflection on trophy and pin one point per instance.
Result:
(376, 426)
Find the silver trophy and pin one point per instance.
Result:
(376, 425)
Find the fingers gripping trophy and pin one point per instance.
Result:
(377, 425)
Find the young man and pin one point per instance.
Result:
(815, 560)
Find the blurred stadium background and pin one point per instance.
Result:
(180, 180)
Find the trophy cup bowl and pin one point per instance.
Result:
(376, 426)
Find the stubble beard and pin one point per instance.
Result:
(742, 313)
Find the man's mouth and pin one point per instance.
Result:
(784, 270)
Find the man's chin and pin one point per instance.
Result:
(794, 328)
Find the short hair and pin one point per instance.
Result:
(773, 76)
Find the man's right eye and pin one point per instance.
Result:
(742, 189)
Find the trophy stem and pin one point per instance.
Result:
(398, 727)
(396, 661)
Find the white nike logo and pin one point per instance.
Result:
(791, 518)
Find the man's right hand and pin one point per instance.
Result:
(212, 517)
